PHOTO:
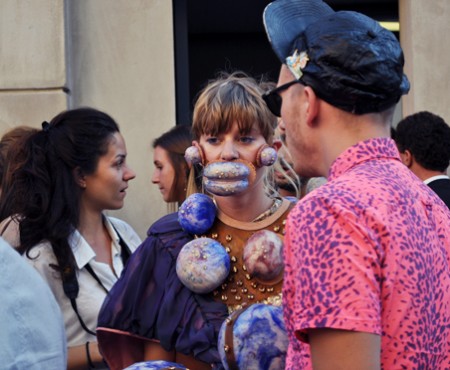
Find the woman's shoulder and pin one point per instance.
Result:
(165, 236)
(9, 230)
(166, 224)
(119, 223)
(41, 256)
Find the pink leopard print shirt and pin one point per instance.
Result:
(370, 251)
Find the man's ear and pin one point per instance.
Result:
(312, 107)
(79, 177)
(407, 158)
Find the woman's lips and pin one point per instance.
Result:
(227, 178)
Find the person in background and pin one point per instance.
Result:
(11, 141)
(314, 183)
(423, 140)
(286, 180)
(153, 313)
(72, 171)
(32, 334)
(171, 170)
(367, 255)
(11, 147)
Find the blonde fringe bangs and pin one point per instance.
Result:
(229, 100)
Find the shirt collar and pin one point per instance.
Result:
(362, 152)
(83, 252)
(437, 177)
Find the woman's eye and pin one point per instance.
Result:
(212, 140)
(246, 139)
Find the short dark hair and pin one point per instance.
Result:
(427, 137)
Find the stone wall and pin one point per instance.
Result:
(115, 56)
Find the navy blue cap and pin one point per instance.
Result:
(348, 59)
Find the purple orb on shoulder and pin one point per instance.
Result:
(197, 213)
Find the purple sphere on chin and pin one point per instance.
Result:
(197, 214)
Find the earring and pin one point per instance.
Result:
(194, 155)
(266, 156)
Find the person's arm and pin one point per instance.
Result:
(343, 349)
(77, 358)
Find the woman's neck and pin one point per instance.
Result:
(93, 230)
(245, 207)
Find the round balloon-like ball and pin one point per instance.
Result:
(260, 340)
(156, 365)
(192, 155)
(268, 156)
(202, 265)
(263, 256)
(197, 213)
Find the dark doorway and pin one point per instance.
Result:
(216, 35)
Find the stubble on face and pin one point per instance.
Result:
(298, 142)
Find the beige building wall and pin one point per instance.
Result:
(112, 55)
(32, 62)
(120, 59)
(424, 35)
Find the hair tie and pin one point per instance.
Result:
(45, 126)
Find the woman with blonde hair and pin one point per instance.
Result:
(155, 312)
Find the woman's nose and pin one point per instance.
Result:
(129, 174)
(155, 177)
(229, 152)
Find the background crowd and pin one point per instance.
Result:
(316, 203)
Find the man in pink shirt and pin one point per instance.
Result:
(367, 255)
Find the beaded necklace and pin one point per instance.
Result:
(273, 208)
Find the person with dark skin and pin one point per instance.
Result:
(423, 140)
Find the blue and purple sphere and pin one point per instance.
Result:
(197, 214)
(259, 338)
(156, 365)
(202, 265)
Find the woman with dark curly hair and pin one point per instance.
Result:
(72, 171)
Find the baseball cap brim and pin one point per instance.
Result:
(285, 20)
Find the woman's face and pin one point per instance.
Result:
(164, 173)
(106, 187)
(233, 145)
